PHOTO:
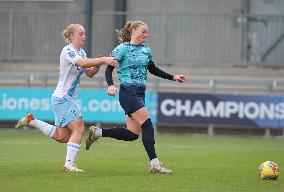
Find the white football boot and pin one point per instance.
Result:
(24, 121)
(159, 169)
(72, 168)
(92, 137)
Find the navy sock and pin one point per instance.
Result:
(119, 134)
(148, 138)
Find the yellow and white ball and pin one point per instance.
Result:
(268, 170)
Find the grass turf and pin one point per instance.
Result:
(29, 161)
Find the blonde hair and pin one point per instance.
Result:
(124, 34)
(66, 33)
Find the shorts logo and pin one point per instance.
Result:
(74, 113)
(72, 54)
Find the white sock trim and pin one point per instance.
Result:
(73, 146)
(99, 133)
(52, 131)
(154, 161)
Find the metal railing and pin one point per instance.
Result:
(184, 39)
(211, 85)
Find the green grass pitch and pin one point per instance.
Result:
(29, 161)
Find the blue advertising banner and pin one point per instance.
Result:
(95, 104)
(225, 109)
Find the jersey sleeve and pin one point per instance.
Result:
(119, 52)
(83, 53)
(151, 60)
(71, 56)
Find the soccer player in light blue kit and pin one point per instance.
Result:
(134, 58)
(68, 119)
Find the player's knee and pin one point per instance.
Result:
(79, 131)
(63, 138)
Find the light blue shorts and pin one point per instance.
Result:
(65, 110)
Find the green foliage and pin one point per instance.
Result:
(31, 162)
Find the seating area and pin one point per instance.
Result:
(219, 79)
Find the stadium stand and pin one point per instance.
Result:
(250, 79)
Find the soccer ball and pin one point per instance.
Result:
(268, 170)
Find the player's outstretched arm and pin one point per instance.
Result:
(153, 69)
(90, 72)
(179, 78)
(92, 62)
(111, 90)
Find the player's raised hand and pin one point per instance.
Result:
(180, 78)
(111, 90)
(111, 61)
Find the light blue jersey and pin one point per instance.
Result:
(133, 61)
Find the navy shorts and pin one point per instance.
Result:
(132, 97)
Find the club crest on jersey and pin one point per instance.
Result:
(144, 49)
(72, 54)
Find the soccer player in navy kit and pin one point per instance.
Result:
(69, 126)
(134, 58)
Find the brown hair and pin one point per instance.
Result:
(66, 33)
(125, 32)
